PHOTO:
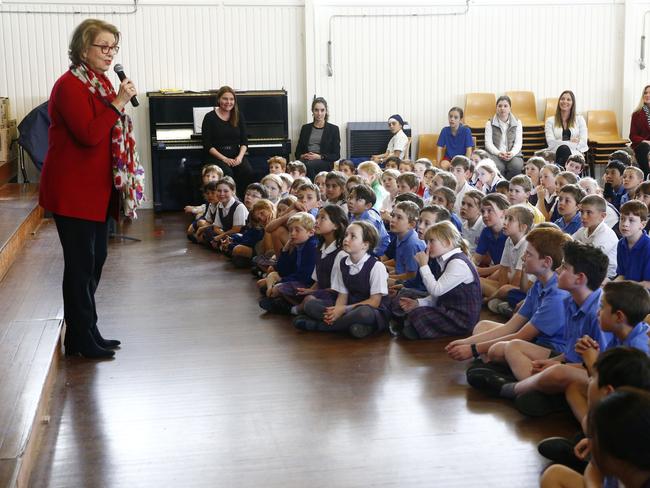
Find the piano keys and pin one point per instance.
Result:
(177, 150)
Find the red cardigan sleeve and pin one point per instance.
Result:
(639, 128)
(87, 125)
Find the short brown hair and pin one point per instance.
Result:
(536, 161)
(448, 193)
(635, 207)
(549, 243)
(522, 181)
(448, 179)
(496, 199)
(368, 233)
(410, 209)
(84, 35)
(577, 158)
(523, 215)
(570, 178)
(309, 187)
(298, 166)
(463, 161)
(278, 160)
(407, 162)
(596, 201)
(409, 178)
(629, 297)
(575, 191)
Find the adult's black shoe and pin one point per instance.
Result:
(105, 343)
(86, 347)
(538, 404)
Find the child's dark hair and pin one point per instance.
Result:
(348, 163)
(456, 109)
(368, 233)
(210, 186)
(502, 185)
(440, 212)
(309, 187)
(575, 191)
(410, 209)
(629, 297)
(642, 189)
(448, 180)
(393, 159)
(409, 196)
(298, 166)
(464, 162)
(589, 260)
(622, 156)
(339, 219)
(229, 182)
(448, 194)
(298, 182)
(623, 366)
(259, 189)
(617, 165)
(619, 426)
(408, 163)
(364, 192)
(577, 158)
(537, 161)
(495, 199)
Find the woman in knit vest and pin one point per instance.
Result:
(504, 138)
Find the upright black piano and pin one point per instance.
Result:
(177, 150)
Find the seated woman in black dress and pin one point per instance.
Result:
(319, 144)
(225, 141)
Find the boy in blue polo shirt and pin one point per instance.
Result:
(360, 205)
(548, 370)
(567, 206)
(492, 240)
(614, 189)
(403, 220)
(633, 252)
(540, 320)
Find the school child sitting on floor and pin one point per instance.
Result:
(210, 172)
(519, 190)
(361, 305)
(633, 250)
(568, 207)
(241, 247)
(361, 200)
(470, 213)
(453, 304)
(492, 239)
(403, 221)
(294, 266)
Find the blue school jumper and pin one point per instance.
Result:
(298, 265)
(455, 312)
(634, 264)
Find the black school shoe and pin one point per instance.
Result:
(488, 381)
(275, 305)
(538, 404)
(501, 368)
(360, 331)
(305, 322)
(560, 451)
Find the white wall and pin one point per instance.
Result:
(418, 66)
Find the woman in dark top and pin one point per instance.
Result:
(640, 131)
(319, 144)
(225, 141)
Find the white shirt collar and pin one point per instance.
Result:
(445, 257)
(596, 231)
(356, 266)
(521, 242)
(324, 251)
(229, 204)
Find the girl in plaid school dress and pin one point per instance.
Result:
(454, 302)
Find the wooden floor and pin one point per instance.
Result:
(209, 391)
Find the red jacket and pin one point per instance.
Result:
(77, 179)
(639, 128)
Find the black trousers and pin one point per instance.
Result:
(85, 247)
(316, 166)
(641, 152)
(242, 174)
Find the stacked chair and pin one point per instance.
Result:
(604, 137)
(524, 108)
(479, 108)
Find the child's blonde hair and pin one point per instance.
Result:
(274, 178)
(523, 215)
(447, 232)
(287, 180)
(489, 166)
(302, 219)
(212, 168)
(370, 167)
(448, 179)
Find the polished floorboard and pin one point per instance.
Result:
(209, 391)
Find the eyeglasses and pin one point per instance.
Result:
(107, 49)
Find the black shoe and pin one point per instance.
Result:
(105, 343)
(361, 330)
(395, 328)
(85, 347)
(560, 451)
(501, 368)
(487, 381)
(304, 322)
(275, 305)
(538, 404)
(410, 332)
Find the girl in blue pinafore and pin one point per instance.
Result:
(331, 223)
(361, 307)
(454, 302)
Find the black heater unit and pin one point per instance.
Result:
(367, 138)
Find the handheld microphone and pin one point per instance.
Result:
(119, 70)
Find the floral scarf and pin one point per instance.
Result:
(128, 173)
(646, 110)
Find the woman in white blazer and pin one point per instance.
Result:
(566, 132)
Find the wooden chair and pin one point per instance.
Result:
(428, 146)
(551, 107)
(479, 108)
(603, 129)
(525, 108)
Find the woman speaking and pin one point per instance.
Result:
(91, 155)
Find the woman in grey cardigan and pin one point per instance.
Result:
(504, 138)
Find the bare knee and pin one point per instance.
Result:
(497, 352)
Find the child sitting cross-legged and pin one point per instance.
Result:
(403, 220)
(519, 190)
(242, 246)
(210, 172)
(542, 374)
(540, 320)
(492, 240)
(294, 266)
(229, 215)
(331, 223)
(518, 223)
(594, 230)
(453, 304)
(361, 200)
(361, 283)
